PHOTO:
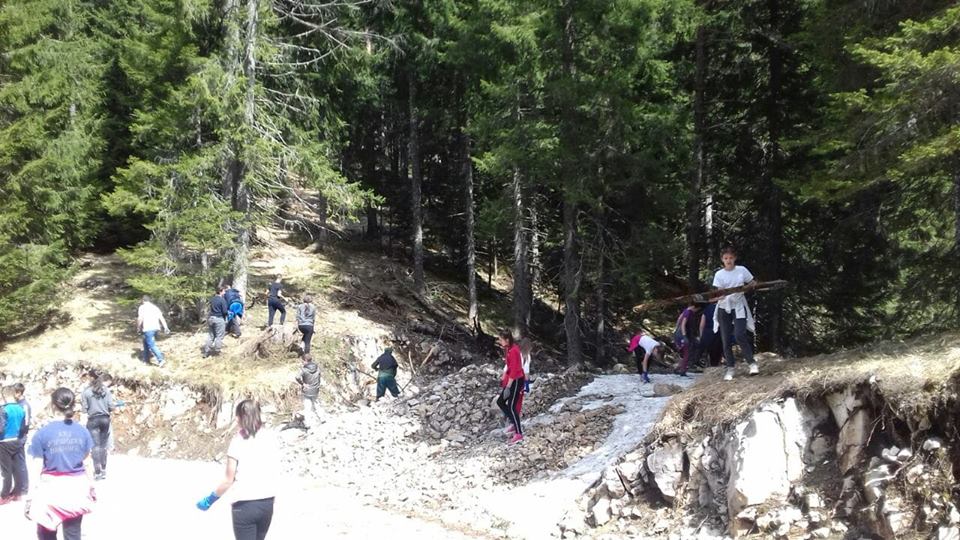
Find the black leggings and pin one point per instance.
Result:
(307, 331)
(274, 305)
(509, 405)
(99, 428)
(251, 519)
(71, 530)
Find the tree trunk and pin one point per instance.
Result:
(696, 179)
(771, 204)
(600, 341)
(534, 248)
(466, 172)
(521, 282)
(416, 180)
(571, 255)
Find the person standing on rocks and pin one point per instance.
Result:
(12, 418)
(306, 313)
(98, 404)
(685, 334)
(733, 317)
(251, 474)
(386, 366)
(65, 492)
(309, 379)
(216, 323)
(275, 300)
(645, 344)
(150, 321)
(511, 384)
(19, 392)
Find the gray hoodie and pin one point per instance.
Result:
(309, 379)
(94, 405)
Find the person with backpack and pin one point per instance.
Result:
(685, 335)
(386, 366)
(150, 321)
(234, 300)
(309, 380)
(275, 301)
(252, 474)
(98, 404)
(306, 313)
(12, 418)
(64, 493)
(643, 347)
(733, 317)
(19, 392)
(216, 323)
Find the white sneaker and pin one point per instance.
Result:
(728, 375)
(754, 369)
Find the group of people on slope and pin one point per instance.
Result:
(72, 455)
(699, 324)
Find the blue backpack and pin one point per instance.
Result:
(234, 304)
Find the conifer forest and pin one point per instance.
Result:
(595, 154)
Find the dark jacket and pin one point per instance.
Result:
(218, 307)
(309, 379)
(386, 363)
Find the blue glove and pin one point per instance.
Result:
(206, 502)
(120, 403)
(526, 387)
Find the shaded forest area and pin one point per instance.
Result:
(602, 150)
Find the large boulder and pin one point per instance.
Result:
(666, 465)
(854, 420)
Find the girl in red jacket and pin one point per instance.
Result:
(511, 384)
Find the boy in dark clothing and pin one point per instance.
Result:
(18, 394)
(275, 301)
(386, 364)
(216, 323)
(12, 417)
(309, 379)
(234, 301)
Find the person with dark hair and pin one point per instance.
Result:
(216, 323)
(275, 300)
(234, 300)
(309, 380)
(98, 404)
(649, 347)
(64, 493)
(511, 384)
(13, 417)
(150, 321)
(386, 366)
(19, 392)
(709, 343)
(733, 317)
(306, 314)
(252, 471)
(686, 335)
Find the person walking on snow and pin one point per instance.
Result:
(150, 321)
(386, 366)
(12, 418)
(216, 323)
(18, 394)
(98, 404)
(688, 324)
(275, 300)
(309, 380)
(65, 492)
(306, 313)
(733, 317)
(511, 384)
(649, 347)
(251, 475)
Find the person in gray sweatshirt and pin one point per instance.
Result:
(309, 379)
(306, 313)
(98, 404)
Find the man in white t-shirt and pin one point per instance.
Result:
(733, 318)
(150, 321)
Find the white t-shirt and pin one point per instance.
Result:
(150, 318)
(648, 343)
(258, 465)
(727, 279)
(526, 364)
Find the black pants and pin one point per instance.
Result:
(274, 305)
(71, 530)
(639, 353)
(509, 404)
(99, 428)
(14, 478)
(733, 328)
(307, 331)
(251, 519)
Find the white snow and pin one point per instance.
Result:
(535, 508)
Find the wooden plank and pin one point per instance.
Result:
(710, 296)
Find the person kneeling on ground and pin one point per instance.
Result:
(650, 347)
(309, 379)
(386, 365)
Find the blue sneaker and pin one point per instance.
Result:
(646, 378)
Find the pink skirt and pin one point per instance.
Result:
(58, 498)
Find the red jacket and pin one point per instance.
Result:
(514, 363)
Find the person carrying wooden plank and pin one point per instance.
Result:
(733, 317)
